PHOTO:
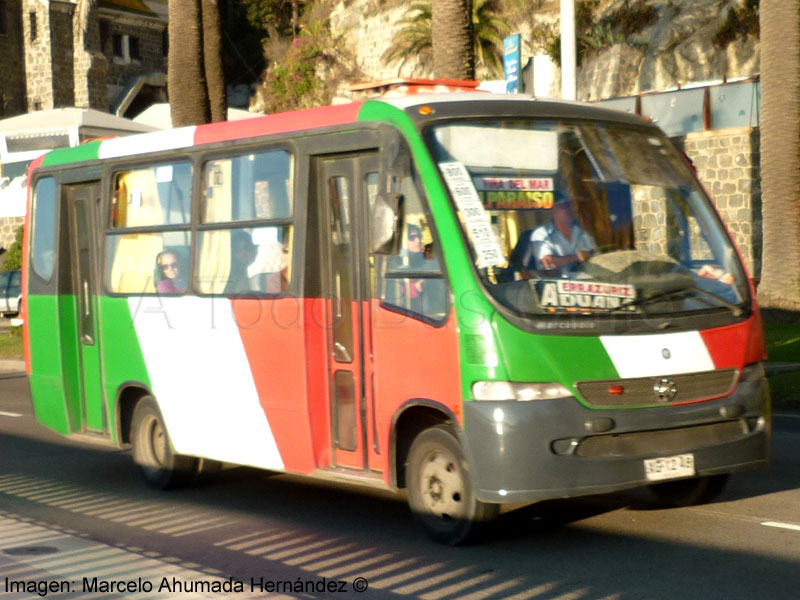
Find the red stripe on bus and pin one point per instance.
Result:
(23, 310)
(727, 345)
(278, 123)
(272, 335)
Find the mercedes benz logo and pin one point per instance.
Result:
(665, 389)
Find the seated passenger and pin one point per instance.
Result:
(169, 279)
(415, 293)
(243, 254)
(269, 271)
(562, 241)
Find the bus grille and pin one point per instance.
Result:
(641, 391)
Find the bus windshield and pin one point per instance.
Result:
(586, 217)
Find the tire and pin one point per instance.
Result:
(440, 491)
(689, 492)
(160, 467)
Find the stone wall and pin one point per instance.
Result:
(151, 48)
(728, 164)
(38, 58)
(12, 70)
(8, 229)
(62, 48)
(91, 67)
(368, 30)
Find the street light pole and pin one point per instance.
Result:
(569, 84)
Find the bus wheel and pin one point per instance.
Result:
(152, 451)
(689, 492)
(439, 489)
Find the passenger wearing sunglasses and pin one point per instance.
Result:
(413, 258)
(168, 274)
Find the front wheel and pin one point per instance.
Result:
(152, 450)
(689, 492)
(440, 491)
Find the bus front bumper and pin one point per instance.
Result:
(526, 451)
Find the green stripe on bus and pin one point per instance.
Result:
(554, 358)
(117, 339)
(56, 384)
(65, 156)
(473, 310)
(53, 398)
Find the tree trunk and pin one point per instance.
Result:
(452, 39)
(186, 80)
(212, 53)
(780, 154)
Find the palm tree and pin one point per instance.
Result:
(452, 39)
(186, 76)
(780, 153)
(195, 76)
(489, 30)
(212, 60)
(413, 38)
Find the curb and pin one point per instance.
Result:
(786, 421)
(780, 367)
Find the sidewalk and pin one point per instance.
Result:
(11, 366)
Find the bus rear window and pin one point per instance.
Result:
(44, 228)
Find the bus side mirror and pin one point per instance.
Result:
(385, 223)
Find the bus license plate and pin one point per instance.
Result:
(669, 467)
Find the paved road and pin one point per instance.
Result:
(69, 511)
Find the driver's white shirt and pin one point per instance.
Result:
(548, 240)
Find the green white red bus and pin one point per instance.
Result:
(368, 293)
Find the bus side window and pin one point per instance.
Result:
(256, 259)
(157, 196)
(412, 281)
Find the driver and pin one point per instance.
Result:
(562, 241)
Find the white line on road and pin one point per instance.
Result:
(781, 525)
(9, 414)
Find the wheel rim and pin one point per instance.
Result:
(157, 442)
(442, 486)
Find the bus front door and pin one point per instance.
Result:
(81, 201)
(343, 185)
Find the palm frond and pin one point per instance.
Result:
(414, 35)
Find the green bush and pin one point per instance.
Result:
(741, 23)
(13, 256)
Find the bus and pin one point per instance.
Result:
(480, 300)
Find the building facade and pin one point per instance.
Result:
(53, 55)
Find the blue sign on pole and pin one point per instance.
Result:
(512, 56)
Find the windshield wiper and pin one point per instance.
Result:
(736, 311)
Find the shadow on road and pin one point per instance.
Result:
(250, 523)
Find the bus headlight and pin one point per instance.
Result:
(507, 390)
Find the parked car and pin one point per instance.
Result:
(10, 293)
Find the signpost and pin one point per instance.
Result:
(512, 57)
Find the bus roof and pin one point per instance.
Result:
(454, 104)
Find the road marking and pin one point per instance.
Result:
(781, 525)
(9, 414)
(32, 552)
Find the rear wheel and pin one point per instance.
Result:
(152, 450)
(440, 491)
(690, 492)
